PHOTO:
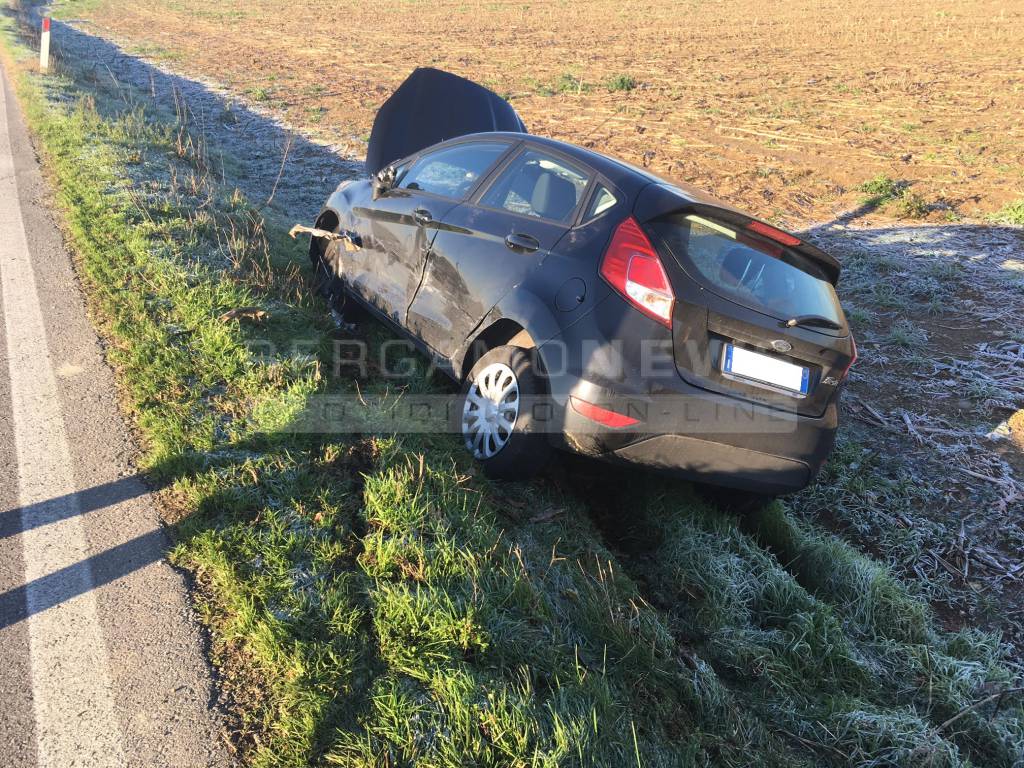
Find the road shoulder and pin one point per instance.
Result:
(161, 686)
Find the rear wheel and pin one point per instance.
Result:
(502, 416)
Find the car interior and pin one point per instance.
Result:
(536, 186)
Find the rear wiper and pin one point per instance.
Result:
(812, 320)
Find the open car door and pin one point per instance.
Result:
(432, 106)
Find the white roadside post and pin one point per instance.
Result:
(44, 47)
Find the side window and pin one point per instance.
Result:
(538, 185)
(400, 172)
(453, 171)
(603, 200)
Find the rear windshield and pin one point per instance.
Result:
(760, 275)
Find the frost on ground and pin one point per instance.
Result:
(248, 149)
(373, 598)
(928, 470)
(926, 474)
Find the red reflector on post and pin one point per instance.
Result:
(601, 415)
(772, 233)
(46, 24)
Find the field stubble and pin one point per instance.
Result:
(783, 109)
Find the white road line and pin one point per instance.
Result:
(75, 720)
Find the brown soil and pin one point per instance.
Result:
(1016, 423)
(782, 110)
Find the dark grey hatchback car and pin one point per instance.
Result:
(586, 304)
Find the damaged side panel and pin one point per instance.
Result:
(386, 269)
(471, 268)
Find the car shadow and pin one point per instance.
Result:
(276, 167)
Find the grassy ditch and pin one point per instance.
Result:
(372, 601)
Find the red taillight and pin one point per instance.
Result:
(853, 359)
(601, 415)
(632, 267)
(772, 233)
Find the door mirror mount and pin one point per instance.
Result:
(383, 181)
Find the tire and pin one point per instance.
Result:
(326, 282)
(516, 453)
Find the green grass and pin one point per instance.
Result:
(909, 205)
(622, 83)
(906, 335)
(373, 601)
(895, 195)
(570, 83)
(1011, 213)
(259, 93)
(881, 189)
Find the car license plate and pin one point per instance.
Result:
(744, 364)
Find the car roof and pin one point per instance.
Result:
(617, 171)
(650, 195)
(629, 178)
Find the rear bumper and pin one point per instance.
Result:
(685, 430)
(705, 437)
(716, 463)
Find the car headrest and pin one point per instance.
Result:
(553, 196)
(525, 181)
(734, 263)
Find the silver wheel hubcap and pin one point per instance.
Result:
(491, 409)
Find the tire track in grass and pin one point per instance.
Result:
(706, 591)
(945, 673)
(819, 640)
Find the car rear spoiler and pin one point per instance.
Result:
(432, 106)
(657, 200)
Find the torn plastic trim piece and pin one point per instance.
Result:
(348, 241)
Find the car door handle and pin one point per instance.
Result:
(523, 243)
(422, 216)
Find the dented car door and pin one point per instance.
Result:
(398, 227)
(487, 246)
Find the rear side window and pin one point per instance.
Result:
(536, 184)
(603, 201)
(760, 275)
(453, 171)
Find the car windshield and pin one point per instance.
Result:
(761, 275)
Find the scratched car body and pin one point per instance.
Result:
(586, 304)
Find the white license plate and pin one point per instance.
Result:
(744, 364)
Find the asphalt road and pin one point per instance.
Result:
(102, 660)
